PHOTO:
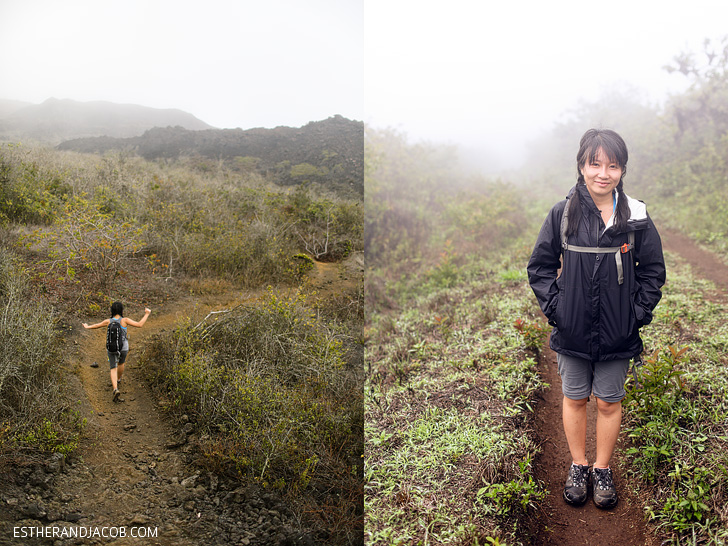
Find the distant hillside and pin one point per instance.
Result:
(330, 152)
(8, 107)
(57, 120)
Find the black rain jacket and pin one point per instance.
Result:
(594, 317)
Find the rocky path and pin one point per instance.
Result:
(133, 479)
(560, 523)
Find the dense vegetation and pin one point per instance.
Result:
(34, 414)
(452, 327)
(451, 374)
(87, 230)
(328, 152)
(92, 221)
(275, 390)
(676, 417)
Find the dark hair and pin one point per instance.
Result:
(117, 308)
(615, 149)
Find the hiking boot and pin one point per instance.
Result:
(575, 490)
(116, 394)
(605, 494)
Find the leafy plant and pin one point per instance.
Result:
(534, 333)
(652, 402)
(445, 272)
(301, 265)
(660, 382)
(690, 494)
(518, 494)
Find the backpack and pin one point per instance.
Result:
(617, 250)
(114, 337)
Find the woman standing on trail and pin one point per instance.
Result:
(118, 358)
(610, 282)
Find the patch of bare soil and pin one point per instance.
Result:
(704, 263)
(560, 523)
(135, 468)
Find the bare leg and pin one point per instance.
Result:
(609, 422)
(574, 417)
(113, 378)
(121, 371)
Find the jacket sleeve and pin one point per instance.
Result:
(649, 273)
(545, 262)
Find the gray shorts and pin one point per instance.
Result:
(116, 358)
(581, 377)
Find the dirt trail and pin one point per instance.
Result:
(560, 523)
(135, 468)
(704, 263)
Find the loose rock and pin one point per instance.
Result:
(35, 511)
(177, 441)
(73, 517)
(56, 463)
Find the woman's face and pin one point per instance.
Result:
(601, 176)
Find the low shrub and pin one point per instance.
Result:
(33, 412)
(30, 188)
(269, 385)
(301, 264)
(675, 414)
(97, 214)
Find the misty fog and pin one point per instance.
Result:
(228, 63)
(494, 79)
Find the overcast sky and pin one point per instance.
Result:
(487, 74)
(231, 63)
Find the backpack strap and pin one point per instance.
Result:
(617, 250)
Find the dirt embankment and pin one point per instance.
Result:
(560, 523)
(135, 469)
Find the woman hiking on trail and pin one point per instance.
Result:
(117, 358)
(610, 282)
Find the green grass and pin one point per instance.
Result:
(450, 380)
(451, 368)
(448, 399)
(420, 477)
(677, 421)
